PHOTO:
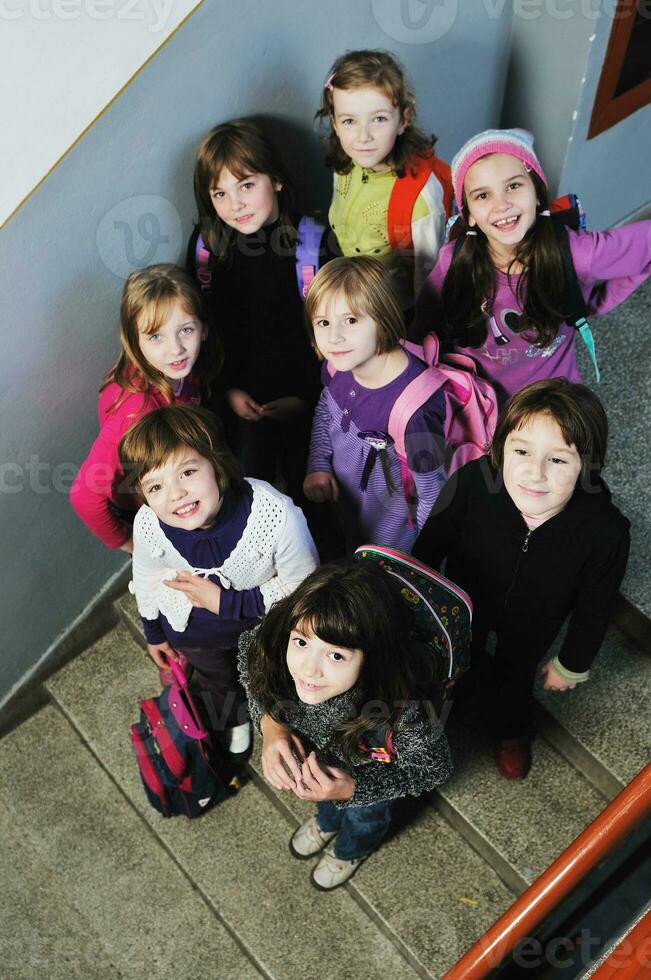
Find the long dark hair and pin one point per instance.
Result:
(352, 604)
(380, 70)
(470, 284)
(241, 147)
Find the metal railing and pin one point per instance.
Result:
(521, 919)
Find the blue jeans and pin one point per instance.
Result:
(360, 828)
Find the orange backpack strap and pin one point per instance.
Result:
(405, 193)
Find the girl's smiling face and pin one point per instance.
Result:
(246, 203)
(183, 492)
(320, 671)
(172, 348)
(367, 125)
(501, 201)
(540, 469)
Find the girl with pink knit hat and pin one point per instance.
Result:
(501, 295)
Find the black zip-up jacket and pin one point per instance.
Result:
(523, 584)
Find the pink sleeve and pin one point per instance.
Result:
(611, 264)
(100, 475)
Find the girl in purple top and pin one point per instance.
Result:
(499, 297)
(211, 553)
(356, 326)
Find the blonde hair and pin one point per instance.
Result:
(149, 443)
(369, 291)
(147, 299)
(380, 70)
(241, 147)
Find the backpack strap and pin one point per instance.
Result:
(577, 309)
(416, 393)
(404, 195)
(308, 250)
(202, 264)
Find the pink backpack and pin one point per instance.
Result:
(470, 404)
(470, 410)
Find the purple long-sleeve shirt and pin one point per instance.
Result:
(609, 265)
(238, 610)
(350, 426)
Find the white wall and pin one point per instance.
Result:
(61, 63)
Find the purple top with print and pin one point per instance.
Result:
(350, 439)
(609, 265)
(209, 548)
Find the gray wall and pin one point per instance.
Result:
(546, 64)
(122, 197)
(555, 62)
(611, 171)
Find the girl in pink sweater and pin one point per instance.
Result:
(167, 356)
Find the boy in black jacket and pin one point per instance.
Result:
(531, 534)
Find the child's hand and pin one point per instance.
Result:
(200, 591)
(161, 654)
(243, 405)
(282, 409)
(319, 783)
(320, 486)
(553, 681)
(278, 743)
(127, 546)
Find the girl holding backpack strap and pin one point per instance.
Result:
(254, 258)
(514, 286)
(380, 494)
(212, 552)
(392, 194)
(336, 684)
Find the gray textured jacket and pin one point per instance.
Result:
(421, 758)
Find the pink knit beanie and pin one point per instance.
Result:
(517, 142)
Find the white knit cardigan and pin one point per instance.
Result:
(275, 552)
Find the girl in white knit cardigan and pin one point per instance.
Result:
(212, 552)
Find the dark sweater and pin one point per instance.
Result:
(255, 306)
(422, 758)
(574, 563)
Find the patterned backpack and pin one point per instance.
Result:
(440, 613)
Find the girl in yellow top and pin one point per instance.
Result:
(392, 195)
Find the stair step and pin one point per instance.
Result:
(520, 826)
(425, 886)
(236, 855)
(602, 726)
(90, 868)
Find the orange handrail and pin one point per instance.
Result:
(519, 921)
(631, 958)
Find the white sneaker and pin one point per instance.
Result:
(331, 872)
(238, 739)
(309, 839)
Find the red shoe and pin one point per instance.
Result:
(513, 757)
